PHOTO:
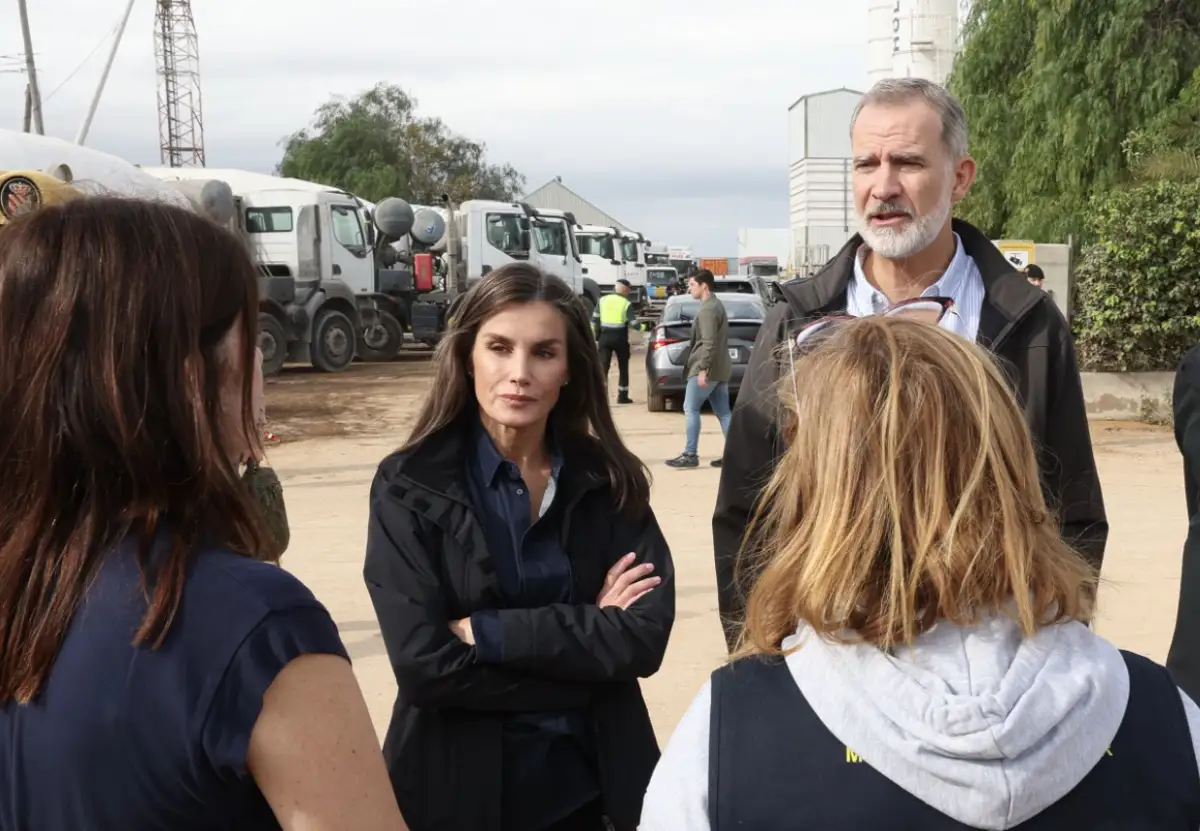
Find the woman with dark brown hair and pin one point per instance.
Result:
(154, 673)
(520, 578)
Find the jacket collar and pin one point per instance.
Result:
(1008, 296)
(489, 460)
(437, 467)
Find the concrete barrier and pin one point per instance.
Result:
(1125, 396)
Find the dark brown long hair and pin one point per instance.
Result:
(113, 314)
(582, 410)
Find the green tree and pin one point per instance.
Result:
(1053, 90)
(375, 145)
(1169, 146)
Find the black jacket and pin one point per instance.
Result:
(1184, 657)
(427, 564)
(1019, 323)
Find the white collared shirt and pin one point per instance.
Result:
(961, 282)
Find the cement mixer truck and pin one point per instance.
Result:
(435, 265)
(304, 314)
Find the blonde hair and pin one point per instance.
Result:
(908, 494)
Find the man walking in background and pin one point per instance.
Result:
(616, 315)
(910, 168)
(708, 366)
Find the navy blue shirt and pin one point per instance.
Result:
(126, 738)
(548, 757)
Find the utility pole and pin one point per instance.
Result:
(81, 137)
(35, 95)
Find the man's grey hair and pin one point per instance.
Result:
(892, 91)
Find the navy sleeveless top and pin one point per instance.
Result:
(126, 738)
(773, 764)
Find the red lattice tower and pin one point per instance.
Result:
(177, 52)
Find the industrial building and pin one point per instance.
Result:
(820, 196)
(554, 195)
(913, 38)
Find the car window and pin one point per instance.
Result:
(735, 309)
(735, 286)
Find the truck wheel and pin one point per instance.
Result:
(382, 341)
(272, 340)
(332, 347)
(655, 402)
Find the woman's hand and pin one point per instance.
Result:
(463, 631)
(625, 583)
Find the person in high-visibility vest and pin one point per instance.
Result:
(616, 315)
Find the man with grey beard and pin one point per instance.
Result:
(910, 168)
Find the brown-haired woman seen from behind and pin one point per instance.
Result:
(520, 579)
(153, 672)
(939, 670)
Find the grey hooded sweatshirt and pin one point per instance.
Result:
(986, 726)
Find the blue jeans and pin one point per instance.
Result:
(716, 394)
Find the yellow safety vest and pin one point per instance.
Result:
(614, 311)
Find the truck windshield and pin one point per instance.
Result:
(660, 276)
(596, 245)
(551, 238)
(269, 220)
(504, 233)
(629, 252)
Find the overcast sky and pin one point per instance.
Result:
(671, 115)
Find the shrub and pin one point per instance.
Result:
(1138, 284)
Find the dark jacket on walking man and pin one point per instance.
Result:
(911, 166)
(709, 368)
(1184, 657)
(709, 343)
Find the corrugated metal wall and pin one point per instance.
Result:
(765, 242)
(820, 195)
(556, 196)
(822, 207)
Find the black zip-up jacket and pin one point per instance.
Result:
(1019, 323)
(1184, 658)
(427, 564)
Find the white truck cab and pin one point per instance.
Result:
(495, 233)
(599, 247)
(633, 262)
(316, 265)
(657, 254)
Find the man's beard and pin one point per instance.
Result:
(913, 237)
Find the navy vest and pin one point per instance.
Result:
(773, 765)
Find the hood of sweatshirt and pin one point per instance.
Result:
(986, 726)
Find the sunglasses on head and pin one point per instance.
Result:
(924, 309)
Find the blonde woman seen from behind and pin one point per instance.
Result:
(916, 652)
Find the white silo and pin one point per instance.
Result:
(928, 39)
(912, 38)
(881, 47)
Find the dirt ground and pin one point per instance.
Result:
(336, 428)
